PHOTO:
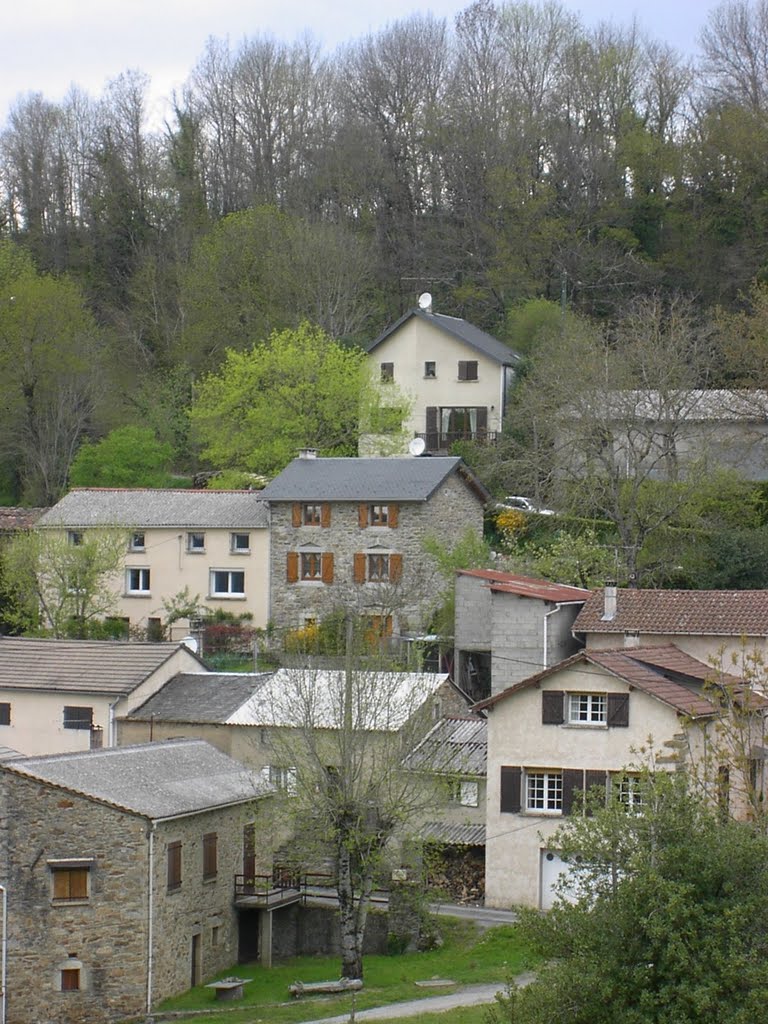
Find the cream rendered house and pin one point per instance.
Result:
(456, 376)
(213, 543)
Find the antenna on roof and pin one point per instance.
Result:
(425, 302)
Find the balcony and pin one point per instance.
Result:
(440, 443)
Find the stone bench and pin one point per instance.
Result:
(228, 988)
(301, 988)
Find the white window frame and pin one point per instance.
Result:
(588, 709)
(143, 580)
(229, 592)
(280, 777)
(543, 791)
(236, 549)
(137, 545)
(466, 792)
(628, 790)
(196, 542)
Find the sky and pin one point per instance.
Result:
(47, 45)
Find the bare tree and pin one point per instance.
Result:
(735, 45)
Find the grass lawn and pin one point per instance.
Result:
(467, 956)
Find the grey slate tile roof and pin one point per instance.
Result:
(155, 780)
(201, 697)
(458, 328)
(134, 508)
(375, 480)
(454, 746)
(83, 666)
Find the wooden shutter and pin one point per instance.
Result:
(392, 514)
(327, 566)
(358, 573)
(395, 568)
(462, 369)
(296, 514)
(431, 425)
(325, 514)
(573, 780)
(362, 516)
(595, 778)
(292, 567)
(511, 779)
(618, 709)
(482, 421)
(552, 707)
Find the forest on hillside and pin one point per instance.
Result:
(512, 156)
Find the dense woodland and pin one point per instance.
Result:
(511, 156)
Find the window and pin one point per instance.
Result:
(280, 778)
(468, 369)
(210, 851)
(629, 790)
(459, 423)
(378, 568)
(215, 935)
(376, 629)
(587, 709)
(70, 979)
(78, 717)
(136, 542)
(240, 543)
(311, 515)
(5, 713)
(174, 866)
(70, 882)
(311, 566)
(75, 537)
(196, 543)
(387, 371)
(379, 515)
(429, 369)
(227, 583)
(544, 792)
(137, 581)
(465, 792)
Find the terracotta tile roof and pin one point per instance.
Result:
(692, 612)
(12, 518)
(663, 672)
(527, 586)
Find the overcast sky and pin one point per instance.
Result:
(46, 45)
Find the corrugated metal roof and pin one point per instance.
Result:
(84, 666)
(732, 613)
(133, 508)
(381, 479)
(458, 328)
(456, 835)
(454, 746)
(155, 780)
(527, 586)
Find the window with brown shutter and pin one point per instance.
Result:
(327, 571)
(467, 369)
(358, 571)
(210, 855)
(618, 709)
(552, 707)
(395, 568)
(70, 979)
(511, 778)
(393, 514)
(573, 783)
(593, 780)
(70, 883)
(174, 866)
(325, 515)
(362, 516)
(296, 514)
(292, 566)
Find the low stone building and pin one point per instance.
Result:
(119, 868)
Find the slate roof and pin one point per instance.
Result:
(454, 746)
(457, 835)
(146, 507)
(155, 780)
(107, 667)
(732, 613)
(201, 697)
(463, 330)
(375, 480)
(14, 518)
(663, 672)
(526, 586)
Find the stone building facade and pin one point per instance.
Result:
(113, 908)
(350, 533)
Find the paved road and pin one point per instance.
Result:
(467, 995)
(484, 917)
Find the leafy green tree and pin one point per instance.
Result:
(298, 389)
(126, 457)
(664, 921)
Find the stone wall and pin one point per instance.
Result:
(314, 931)
(451, 510)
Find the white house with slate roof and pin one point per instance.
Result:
(456, 375)
(64, 695)
(349, 534)
(119, 865)
(215, 543)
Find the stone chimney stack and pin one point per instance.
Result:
(307, 453)
(632, 639)
(610, 602)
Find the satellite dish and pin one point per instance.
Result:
(425, 302)
(191, 643)
(417, 446)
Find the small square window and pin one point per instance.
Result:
(387, 371)
(70, 883)
(75, 537)
(240, 543)
(70, 979)
(76, 717)
(587, 709)
(465, 792)
(136, 581)
(311, 515)
(136, 542)
(227, 583)
(629, 790)
(5, 713)
(196, 543)
(311, 566)
(430, 369)
(544, 792)
(467, 369)
(379, 515)
(280, 778)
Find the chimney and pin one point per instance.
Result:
(632, 639)
(610, 601)
(307, 453)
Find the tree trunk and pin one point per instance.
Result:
(349, 919)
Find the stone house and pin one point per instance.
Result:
(214, 543)
(64, 695)
(720, 627)
(581, 724)
(508, 627)
(349, 534)
(119, 867)
(456, 376)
